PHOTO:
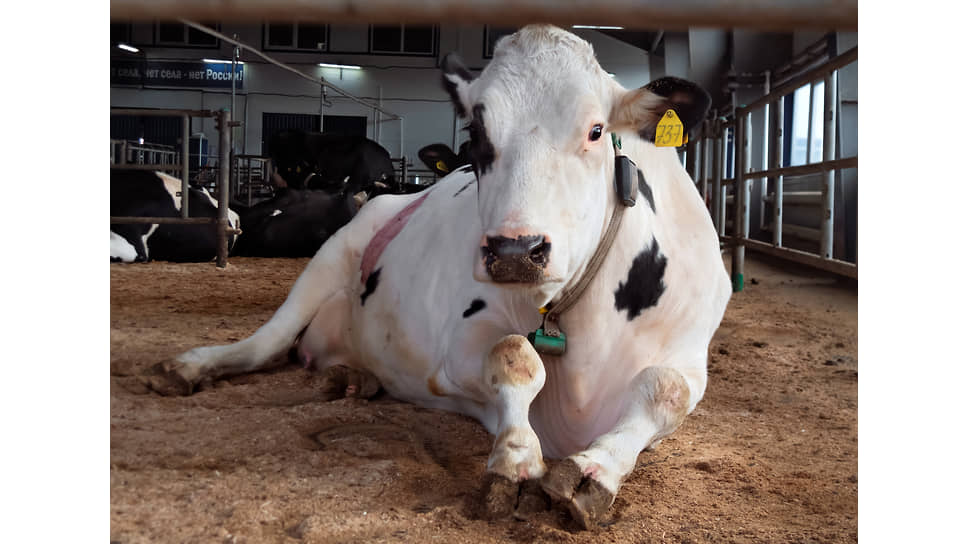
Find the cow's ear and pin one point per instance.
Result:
(456, 78)
(438, 157)
(641, 109)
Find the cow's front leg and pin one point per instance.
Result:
(515, 374)
(587, 482)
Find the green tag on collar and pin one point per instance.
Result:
(616, 141)
(549, 345)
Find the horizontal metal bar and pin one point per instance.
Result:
(803, 170)
(162, 112)
(794, 84)
(836, 266)
(765, 14)
(796, 197)
(129, 166)
(164, 220)
(805, 233)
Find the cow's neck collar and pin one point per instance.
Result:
(550, 339)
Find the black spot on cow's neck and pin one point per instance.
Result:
(481, 150)
(646, 190)
(466, 185)
(371, 283)
(476, 306)
(644, 284)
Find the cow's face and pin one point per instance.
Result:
(539, 118)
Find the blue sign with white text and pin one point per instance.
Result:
(175, 74)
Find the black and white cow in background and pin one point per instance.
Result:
(293, 223)
(156, 194)
(441, 158)
(432, 294)
(335, 163)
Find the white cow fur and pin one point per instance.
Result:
(609, 396)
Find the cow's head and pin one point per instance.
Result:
(539, 118)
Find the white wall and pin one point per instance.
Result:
(410, 85)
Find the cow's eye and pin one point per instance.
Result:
(596, 133)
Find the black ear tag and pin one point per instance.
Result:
(625, 180)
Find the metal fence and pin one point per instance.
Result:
(220, 223)
(705, 159)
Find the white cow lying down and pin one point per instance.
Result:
(439, 313)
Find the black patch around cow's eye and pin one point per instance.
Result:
(371, 284)
(481, 150)
(595, 133)
(644, 285)
(476, 306)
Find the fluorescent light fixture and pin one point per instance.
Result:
(216, 61)
(593, 27)
(127, 47)
(611, 74)
(346, 66)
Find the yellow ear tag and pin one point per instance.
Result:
(669, 133)
(542, 310)
(441, 166)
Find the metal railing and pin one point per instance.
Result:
(704, 158)
(251, 178)
(221, 223)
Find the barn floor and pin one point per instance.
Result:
(769, 455)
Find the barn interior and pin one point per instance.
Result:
(771, 454)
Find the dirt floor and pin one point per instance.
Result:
(769, 455)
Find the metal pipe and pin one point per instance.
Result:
(823, 70)
(223, 37)
(186, 123)
(162, 112)
(836, 266)
(222, 239)
(741, 208)
(656, 40)
(776, 156)
(829, 145)
(702, 143)
(766, 14)
(235, 65)
(809, 125)
(718, 177)
(162, 167)
(802, 170)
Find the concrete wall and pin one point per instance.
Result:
(409, 85)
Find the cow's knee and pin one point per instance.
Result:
(514, 362)
(665, 394)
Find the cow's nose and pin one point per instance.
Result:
(521, 259)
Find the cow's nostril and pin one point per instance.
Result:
(539, 253)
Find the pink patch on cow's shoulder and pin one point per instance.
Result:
(383, 236)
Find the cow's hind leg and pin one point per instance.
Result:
(587, 482)
(515, 374)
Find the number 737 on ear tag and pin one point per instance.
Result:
(669, 133)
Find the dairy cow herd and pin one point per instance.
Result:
(320, 181)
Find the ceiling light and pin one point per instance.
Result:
(346, 66)
(592, 27)
(127, 47)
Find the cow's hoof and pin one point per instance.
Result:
(504, 497)
(344, 382)
(500, 496)
(171, 378)
(586, 499)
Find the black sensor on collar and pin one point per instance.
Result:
(626, 177)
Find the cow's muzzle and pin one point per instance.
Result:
(516, 260)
